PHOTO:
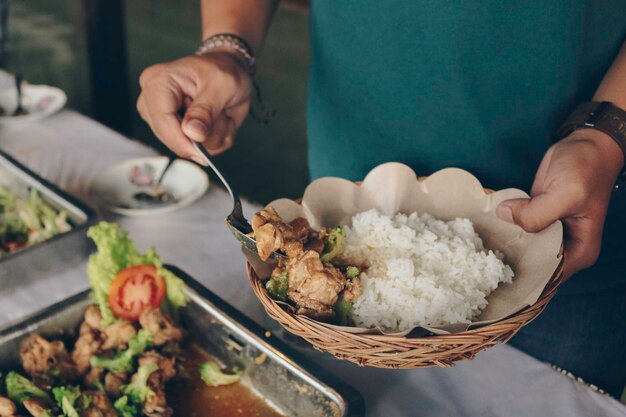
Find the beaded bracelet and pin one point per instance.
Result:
(234, 42)
(239, 44)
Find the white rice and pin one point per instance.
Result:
(422, 271)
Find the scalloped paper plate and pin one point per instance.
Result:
(446, 194)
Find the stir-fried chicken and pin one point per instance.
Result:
(272, 234)
(93, 317)
(160, 326)
(46, 360)
(114, 383)
(313, 285)
(87, 345)
(167, 366)
(100, 405)
(93, 378)
(308, 279)
(7, 407)
(353, 290)
(156, 405)
(118, 334)
(36, 407)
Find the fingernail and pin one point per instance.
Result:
(505, 213)
(200, 128)
(199, 160)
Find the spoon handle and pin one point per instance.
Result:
(237, 213)
(170, 161)
(18, 86)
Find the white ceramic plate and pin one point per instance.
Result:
(38, 100)
(114, 188)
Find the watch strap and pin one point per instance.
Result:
(602, 116)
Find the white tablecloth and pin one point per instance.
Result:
(69, 150)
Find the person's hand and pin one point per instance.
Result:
(573, 183)
(213, 89)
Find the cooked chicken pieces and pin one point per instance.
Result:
(100, 405)
(167, 366)
(87, 345)
(353, 290)
(114, 383)
(117, 335)
(93, 378)
(7, 407)
(93, 317)
(36, 407)
(160, 326)
(272, 234)
(156, 405)
(45, 360)
(313, 285)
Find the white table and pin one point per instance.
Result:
(68, 149)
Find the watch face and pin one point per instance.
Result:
(620, 184)
(597, 114)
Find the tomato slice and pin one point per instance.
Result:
(13, 246)
(133, 289)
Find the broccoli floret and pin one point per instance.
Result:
(342, 310)
(66, 399)
(124, 408)
(20, 389)
(334, 244)
(352, 272)
(138, 390)
(277, 286)
(123, 361)
(213, 376)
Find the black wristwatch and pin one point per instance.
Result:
(602, 116)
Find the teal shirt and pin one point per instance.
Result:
(479, 85)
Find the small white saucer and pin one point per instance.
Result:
(38, 100)
(115, 188)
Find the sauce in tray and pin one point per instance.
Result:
(193, 398)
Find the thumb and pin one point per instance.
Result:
(196, 124)
(533, 214)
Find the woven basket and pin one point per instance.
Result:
(385, 351)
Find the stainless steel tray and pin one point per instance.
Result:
(55, 254)
(287, 381)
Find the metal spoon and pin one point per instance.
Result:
(19, 110)
(155, 194)
(236, 221)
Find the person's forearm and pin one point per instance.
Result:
(249, 19)
(613, 85)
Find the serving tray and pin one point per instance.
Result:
(278, 374)
(57, 253)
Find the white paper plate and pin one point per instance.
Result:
(114, 190)
(38, 100)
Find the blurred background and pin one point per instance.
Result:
(96, 49)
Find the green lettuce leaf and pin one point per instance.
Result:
(117, 251)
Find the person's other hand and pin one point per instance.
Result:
(213, 89)
(573, 183)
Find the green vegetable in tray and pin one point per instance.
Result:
(277, 286)
(29, 220)
(123, 361)
(213, 376)
(124, 408)
(20, 389)
(66, 398)
(342, 310)
(115, 252)
(352, 272)
(138, 391)
(334, 244)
